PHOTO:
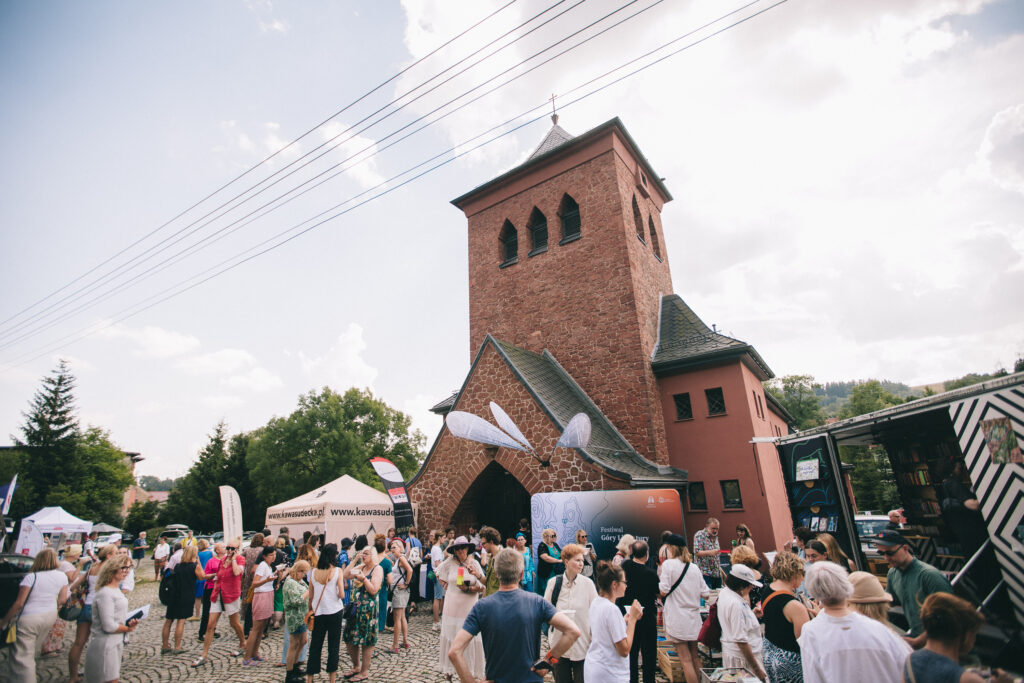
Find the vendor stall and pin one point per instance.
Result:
(50, 521)
(343, 508)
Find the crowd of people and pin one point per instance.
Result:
(805, 616)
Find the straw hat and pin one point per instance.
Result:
(459, 543)
(867, 589)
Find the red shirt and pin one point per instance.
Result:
(228, 585)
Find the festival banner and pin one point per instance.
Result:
(394, 484)
(231, 512)
(6, 494)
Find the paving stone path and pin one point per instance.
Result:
(143, 663)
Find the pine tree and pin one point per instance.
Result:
(50, 435)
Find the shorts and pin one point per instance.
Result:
(299, 631)
(229, 608)
(400, 598)
(85, 616)
(438, 590)
(262, 605)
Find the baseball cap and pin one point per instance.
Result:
(890, 538)
(742, 571)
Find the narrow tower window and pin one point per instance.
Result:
(569, 212)
(509, 239)
(538, 227)
(654, 237)
(638, 220)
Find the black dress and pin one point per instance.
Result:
(184, 578)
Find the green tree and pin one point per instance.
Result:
(1018, 365)
(151, 483)
(236, 474)
(195, 500)
(92, 484)
(797, 395)
(874, 484)
(50, 436)
(868, 397)
(329, 435)
(142, 515)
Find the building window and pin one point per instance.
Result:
(760, 406)
(538, 227)
(638, 220)
(569, 214)
(509, 239)
(731, 497)
(654, 237)
(757, 404)
(684, 411)
(695, 495)
(716, 401)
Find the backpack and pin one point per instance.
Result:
(711, 631)
(168, 588)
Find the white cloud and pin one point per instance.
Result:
(1001, 155)
(268, 21)
(223, 361)
(152, 341)
(418, 409)
(355, 152)
(221, 402)
(343, 365)
(150, 407)
(256, 379)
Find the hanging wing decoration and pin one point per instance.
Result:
(506, 423)
(469, 426)
(577, 432)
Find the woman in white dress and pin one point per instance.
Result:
(681, 586)
(611, 635)
(109, 612)
(741, 634)
(464, 582)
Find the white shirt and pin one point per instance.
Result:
(262, 572)
(330, 603)
(682, 606)
(436, 557)
(574, 599)
(739, 625)
(850, 648)
(89, 549)
(607, 627)
(162, 551)
(45, 587)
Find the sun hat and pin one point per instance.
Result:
(867, 589)
(459, 543)
(742, 571)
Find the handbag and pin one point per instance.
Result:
(72, 607)
(711, 630)
(9, 636)
(249, 594)
(311, 614)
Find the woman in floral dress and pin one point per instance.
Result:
(361, 630)
(459, 598)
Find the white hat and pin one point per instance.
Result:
(742, 571)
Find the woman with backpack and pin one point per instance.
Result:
(681, 586)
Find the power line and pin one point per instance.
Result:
(226, 266)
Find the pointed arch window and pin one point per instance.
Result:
(538, 227)
(654, 237)
(509, 243)
(638, 220)
(569, 214)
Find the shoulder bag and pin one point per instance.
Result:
(9, 636)
(679, 580)
(711, 630)
(72, 607)
(311, 614)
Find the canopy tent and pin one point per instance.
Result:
(53, 520)
(103, 528)
(343, 508)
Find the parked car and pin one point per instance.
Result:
(247, 536)
(13, 568)
(869, 526)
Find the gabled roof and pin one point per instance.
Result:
(443, 407)
(684, 341)
(548, 149)
(561, 397)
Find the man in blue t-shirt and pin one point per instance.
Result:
(509, 623)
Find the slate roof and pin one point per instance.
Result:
(555, 138)
(561, 397)
(684, 341)
(443, 407)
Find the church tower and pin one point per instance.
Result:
(567, 254)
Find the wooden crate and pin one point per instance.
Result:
(669, 665)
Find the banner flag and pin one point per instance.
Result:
(231, 512)
(394, 484)
(6, 494)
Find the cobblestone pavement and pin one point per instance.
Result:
(143, 663)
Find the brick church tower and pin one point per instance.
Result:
(565, 255)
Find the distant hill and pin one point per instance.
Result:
(834, 395)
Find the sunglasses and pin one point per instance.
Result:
(890, 552)
(126, 567)
(231, 547)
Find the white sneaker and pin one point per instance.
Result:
(437, 626)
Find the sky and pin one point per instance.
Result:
(848, 180)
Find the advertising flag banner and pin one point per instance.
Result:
(394, 484)
(231, 512)
(6, 494)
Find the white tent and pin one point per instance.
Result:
(343, 508)
(54, 520)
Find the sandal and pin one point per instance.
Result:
(164, 650)
(393, 650)
(199, 662)
(177, 652)
(350, 674)
(236, 653)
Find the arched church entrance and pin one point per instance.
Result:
(495, 498)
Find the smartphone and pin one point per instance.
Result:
(542, 665)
